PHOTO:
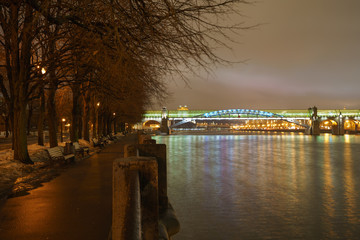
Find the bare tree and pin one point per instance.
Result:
(117, 52)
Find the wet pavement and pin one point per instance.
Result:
(75, 205)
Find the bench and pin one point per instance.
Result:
(79, 149)
(109, 138)
(56, 155)
(97, 143)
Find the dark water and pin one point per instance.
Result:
(286, 186)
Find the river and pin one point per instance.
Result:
(264, 186)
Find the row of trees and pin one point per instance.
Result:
(111, 52)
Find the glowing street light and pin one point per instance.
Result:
(43, 70)
(61, 130)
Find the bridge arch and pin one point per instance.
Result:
(240, 113)
(347, 123)
(151, 124)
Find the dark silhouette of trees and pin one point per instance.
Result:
(115, 53)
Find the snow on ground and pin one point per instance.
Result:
(11, 170)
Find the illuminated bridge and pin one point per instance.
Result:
(254, 119)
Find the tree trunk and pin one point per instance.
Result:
(11, 116)
(109, 124)
(80, 120)
(94, 121)
(29, 119)
(122, 126)
(7, 127)
(52, 119)
(41, 119)
(19, 127)
(74, 136)
(100, 124)
(104, 125)
(20, 73)
(86, 116)
(53, 85)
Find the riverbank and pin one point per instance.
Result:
(17, 178)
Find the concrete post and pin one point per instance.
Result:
(159, 152)
(149, 141)
(124, 224)
(130, 150)
(126, 204)
(142, 138)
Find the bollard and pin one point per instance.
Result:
(159, 152)
(130, 150)
(149, 141)
(126, 224)
(126, 210)
(142, 138)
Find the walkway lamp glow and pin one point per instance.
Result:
(61, 130)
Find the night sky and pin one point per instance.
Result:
(305, 53)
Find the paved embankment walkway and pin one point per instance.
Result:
(75, 205)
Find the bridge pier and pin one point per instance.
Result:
(339, 128)
(164, 127)
(314, 129)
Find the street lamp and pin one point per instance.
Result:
(61, 130)
(114, 114)
(97, 120)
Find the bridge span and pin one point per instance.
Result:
(332, 120)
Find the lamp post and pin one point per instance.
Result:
(97, 120)
(61, 130)
(114, 114)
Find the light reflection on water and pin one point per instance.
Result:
(285, 186)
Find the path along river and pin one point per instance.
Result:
(278, 186)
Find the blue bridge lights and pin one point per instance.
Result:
(237, 112)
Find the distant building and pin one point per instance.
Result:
(183, 108)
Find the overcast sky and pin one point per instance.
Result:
(307, 53)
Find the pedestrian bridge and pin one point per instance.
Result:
(299, 117)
